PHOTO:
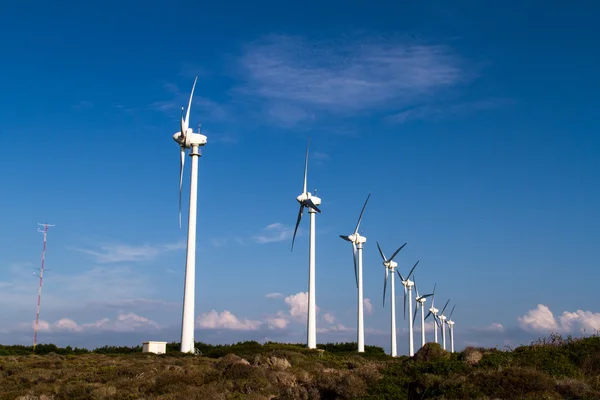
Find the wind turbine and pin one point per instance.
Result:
(420, 301)
(451, 329)
(408, 284)
(442, 319)
(390, 265)
(187, 139)
(357, 246)
(306, 199)
(434, 311)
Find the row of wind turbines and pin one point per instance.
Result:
(187, 139)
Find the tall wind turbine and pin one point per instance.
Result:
(434, 312)
(408, 284)
(306, 199)
(442, 319)
(451, 329)
(357, 246)
(187, 139)
(420, 301)
(390, 265)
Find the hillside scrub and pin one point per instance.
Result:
(550, 368)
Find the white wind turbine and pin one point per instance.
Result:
(434, 311)
(357, 246)
(442, 319)
(408, 284)
(451, 329)
(306, 199)
(390, 265)
(420, 301)
(187, 139)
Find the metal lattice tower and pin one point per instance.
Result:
(44, 230)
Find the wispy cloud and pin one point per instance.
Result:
(368, 306)
(276, 232)
(298, 79)
(273, 295)
(226, 320)
(438, 111)
(117, 253)
(125, 322)
(204, 109)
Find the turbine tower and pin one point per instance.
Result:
(390, 265)
(451, 329)
(442, 319)
(306, 199)
(434, 311)
(357, 246)
(187, 139)
(420, 301)
(408, 284)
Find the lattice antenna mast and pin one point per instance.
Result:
(44, 230)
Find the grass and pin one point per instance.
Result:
(551, 368)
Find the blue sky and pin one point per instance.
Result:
(473, 126)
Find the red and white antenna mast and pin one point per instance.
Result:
(44, 230)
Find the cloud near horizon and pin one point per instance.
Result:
(542, 320)
(117, 253)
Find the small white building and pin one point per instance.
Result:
(154, 347)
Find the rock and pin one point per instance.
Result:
(231, 359)
(278, 363)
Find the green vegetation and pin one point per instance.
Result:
(550, 368)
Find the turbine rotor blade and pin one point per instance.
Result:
(450, 317)
(381, 252)
(297, 223)
(445, 305)
(397, 251)
(411, 271)
(181, 164)
(384, 285)
(361, 214)
(415, 314)
(426, 295)
(306, 165)
(309, 203)
(187, 114)
(416, 290)
(345, 238)
(182, 127)
(404, 302)
(400, 275)
(428, 314)
(355, 268)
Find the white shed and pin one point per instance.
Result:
(154, 347)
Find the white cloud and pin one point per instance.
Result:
(128, 322)
(225, 320)
(298, 306)
(335, 328)
(276, 232)
(367, 306)
(279, 322)
(494, 327)
(329, 318)
(273, 295)
(541, 319)
(117, 253)
(294, 75)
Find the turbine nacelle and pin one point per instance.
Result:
(356, 238)
(390, 264)
(434, 311)
(442, 318)
(421, 299)
(408, 283)
(450, 323)
(302, 198)
(190, 139)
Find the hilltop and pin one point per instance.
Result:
(551, 368)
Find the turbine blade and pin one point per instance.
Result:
(381, 252)
(345, 238)
(426, 295)
(361, 214)
(182, 127)
(428, 314)
(306, 165)
(400, 275)
(416, 290)
(451, 312)
(355, 268)
(404, 302)
(384, 285)
(181, 164)
(297, 223)
(434, 285)
(411, 271)
(415, 314)
(445, 305)
(309, 203)
(187, 114)
(397, 251)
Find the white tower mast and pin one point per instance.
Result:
(408, 284)
(187, 139)
(421, 303)
(357, 247)
(390, 266)
(306, 199)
